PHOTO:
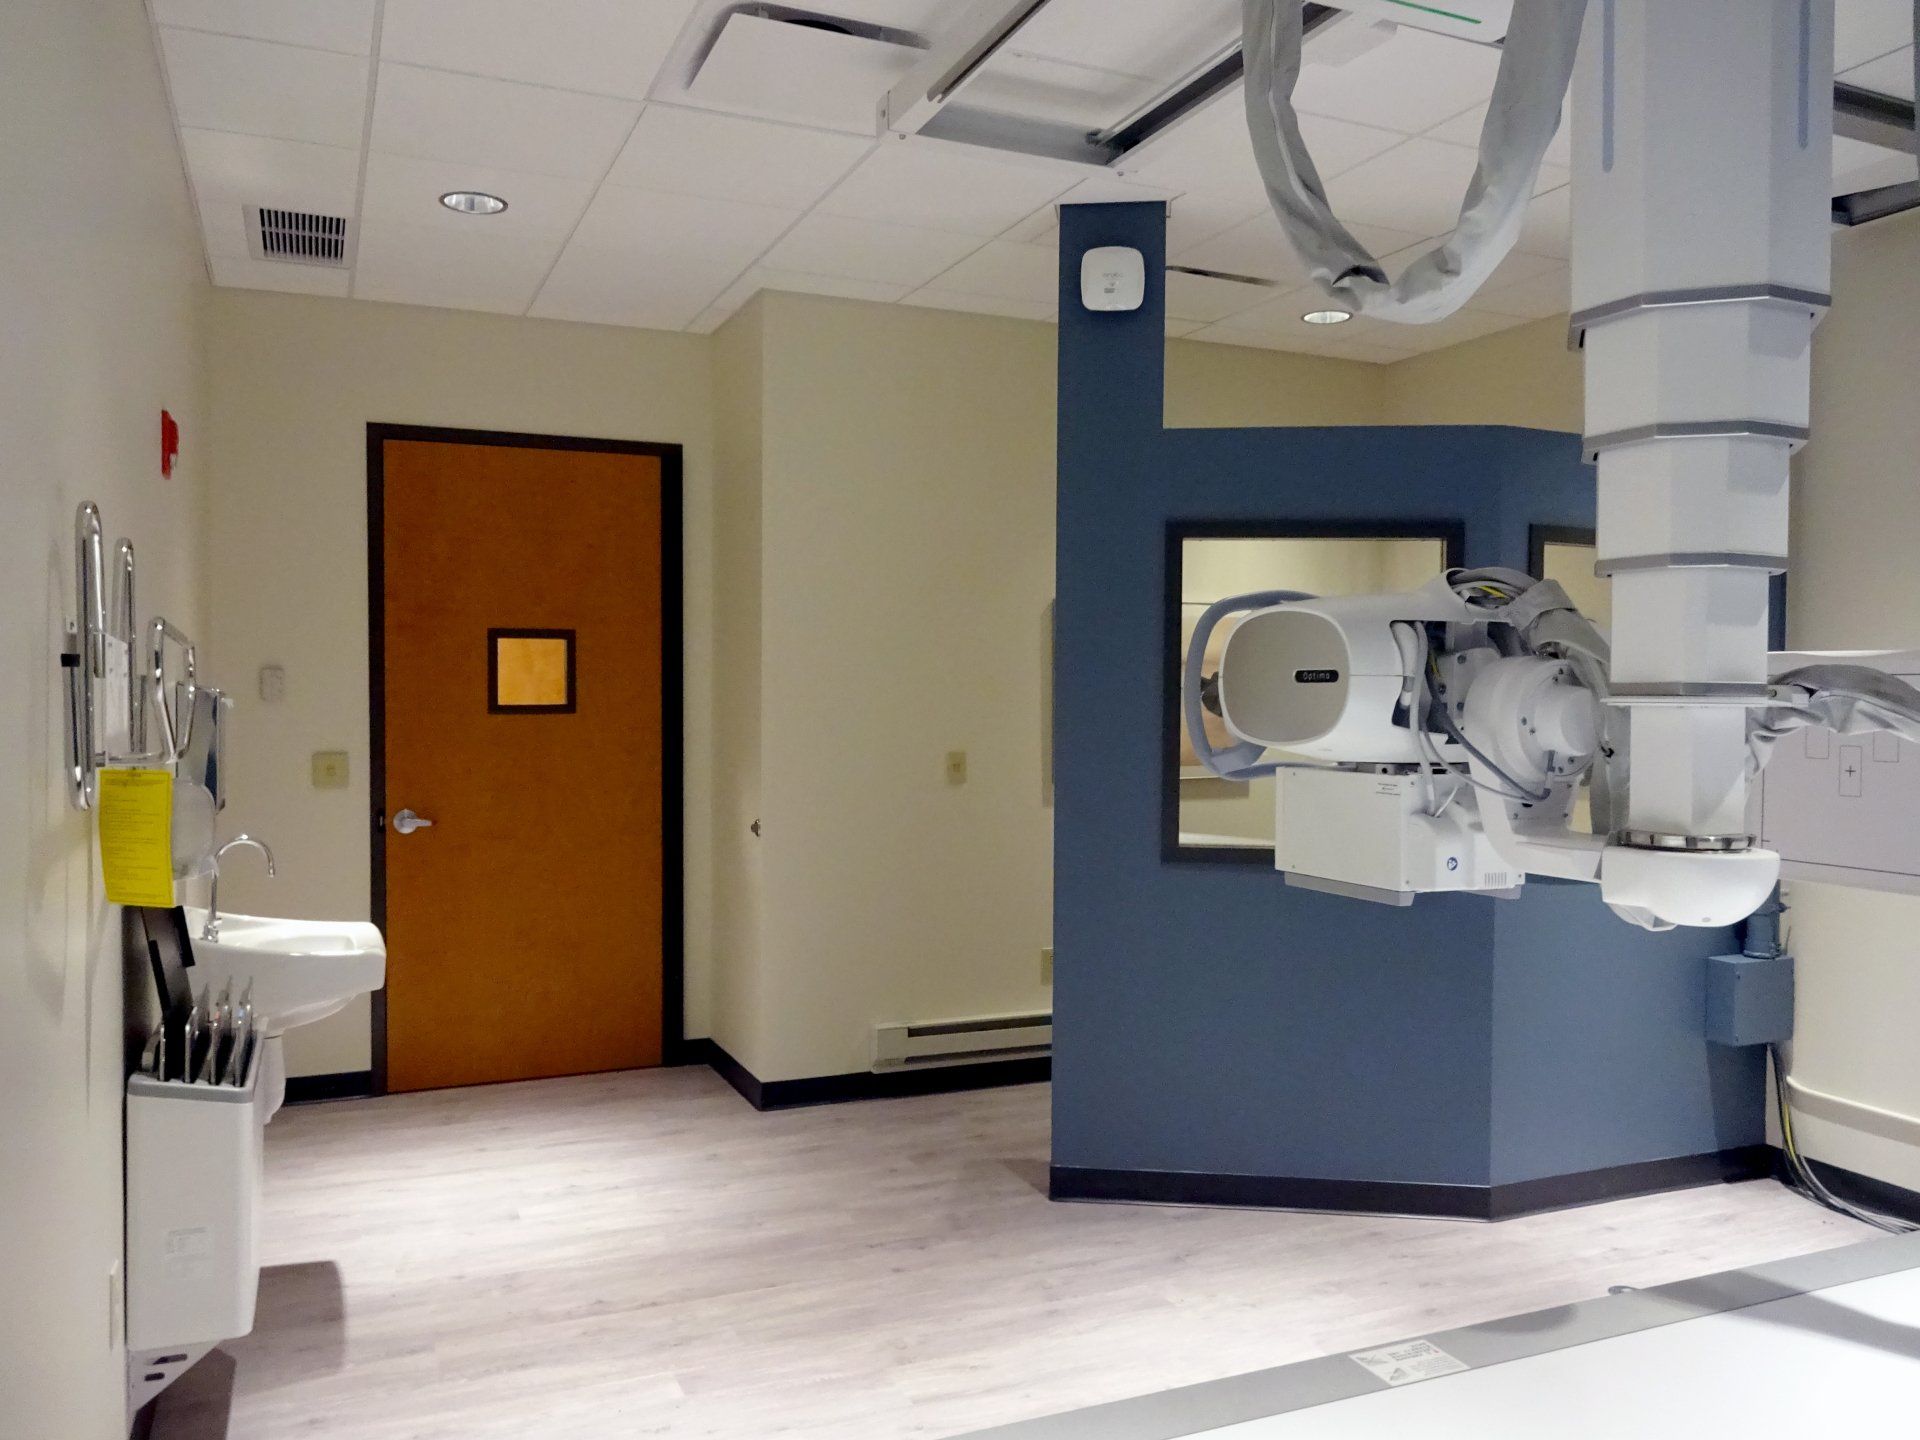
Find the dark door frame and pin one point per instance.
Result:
(673, 1043)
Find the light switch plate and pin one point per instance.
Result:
(273, 683)
(329, 769)
(956, 767)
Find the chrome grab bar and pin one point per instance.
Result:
(175, 735)
(128, 629)
(85, 660)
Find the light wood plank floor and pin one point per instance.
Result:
(642, 1255)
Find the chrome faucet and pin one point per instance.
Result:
(211, 931)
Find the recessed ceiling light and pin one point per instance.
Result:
(473, 202)
(1327, 317)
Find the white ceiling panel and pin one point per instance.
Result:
(1420, 339)
(1414, 81)
(223, 226)
(606, 287)
(605, 47)
(729, 157)
(946, 187)
(798, 282)
(420, 266)
(252, 169)
(254, 88)
(1417, 186)
(1202, 214)
(1864, 30)
(432, 115)
(1890, 74)
(1213, 149)
(1043, 226)
(1859, 166)
(933, 299)
(652, 227)
(404, 192)
(1259, 247)
(1200, 297)
(870, 249)
(1550, 293)
(241, 273)
(342, 25)
(1132, 37)
(1007, 270)
(1039, 87)
(1548, 225)
(1464, 129)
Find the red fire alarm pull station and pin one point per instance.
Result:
(169, 443)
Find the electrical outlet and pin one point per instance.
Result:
(956, 767)
(1046, 964)
(329, 769)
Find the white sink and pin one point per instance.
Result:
(300, 970)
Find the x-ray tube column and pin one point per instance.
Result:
(1702, 159)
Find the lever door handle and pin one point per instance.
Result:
(406, 822)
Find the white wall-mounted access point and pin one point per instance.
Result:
(1113, 277)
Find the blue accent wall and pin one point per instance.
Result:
(1209, 1018)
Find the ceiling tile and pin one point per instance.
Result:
(652, 227)
(252, 169)
(1202, 214)
(980, 304)
(1411, 83)
(1039, 87)
(253, 88)
(1537, 298)
(1464, 129)
(1260, 247)
(606, 287)
(342, 25)
(1133, 37)
(417, 266)
(1864, 30)
(1043, 226)
(1859, 166)
(1417, 187)
(432, 115)
(764, 277)
(241, 273)
(1199, 297)
(1010, 271)
(1460, 326)
(402, 191)
(1372, 354)
(223, 228)
(1213, 149)
(1548, 225)
(1179, 329)
(606, 47)
(729, 157)
(1890, 74)
(870, 249)
(945, 187)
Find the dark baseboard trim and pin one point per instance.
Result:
(347, 1085)
(1623, 1182)
(1857, 1189)
(864, 1085)
(1392, 1197)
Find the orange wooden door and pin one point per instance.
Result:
(525, 924)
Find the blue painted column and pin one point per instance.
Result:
(1222, 1036)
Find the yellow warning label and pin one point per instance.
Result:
(136, 836)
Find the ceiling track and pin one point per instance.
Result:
(1876, 119)
(930, 108)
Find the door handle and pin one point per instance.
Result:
(406, 822)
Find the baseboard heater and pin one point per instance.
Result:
(932, 1044)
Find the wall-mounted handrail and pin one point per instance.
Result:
(85, 661)
(175, 733)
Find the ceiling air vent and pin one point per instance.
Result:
(295, 237)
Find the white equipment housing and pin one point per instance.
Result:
(1366, 834)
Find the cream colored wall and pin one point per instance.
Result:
(1856, 585)
(102, 292)
(295, 380)
(1523, 376)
